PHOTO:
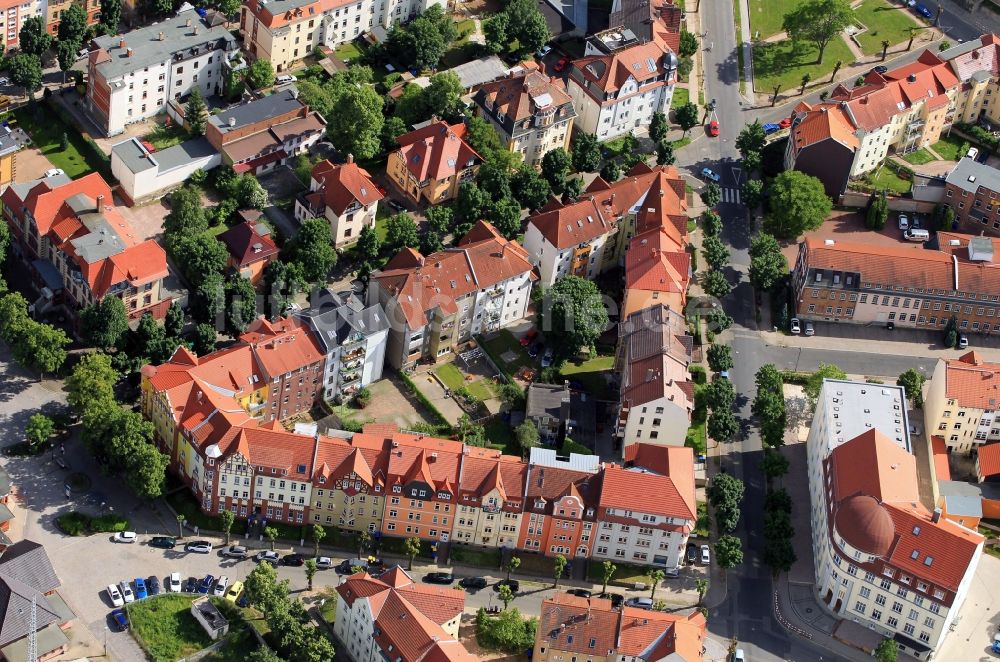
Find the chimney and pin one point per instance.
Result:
(162, 38)
(936, 517)
(188, 23)
(350, 158)
(912, 78)
(129, 52)
(196, 29)
(121, 43)
(100, 203)
(232, 121)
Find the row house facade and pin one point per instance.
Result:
(961, 402)
(438, 302)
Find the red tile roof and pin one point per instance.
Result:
(654, 263)
(282, 346)
(942, 471)
(608, 73)
(633, 489)
(247, 245)
(826, 121)
(988, 462)
(984, 57)
(436, 151)
(571, 224)
(519, 94)
(340, 186)
(973, 382)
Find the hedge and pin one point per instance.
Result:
(423, 400)
(793, 377)
(78, 524)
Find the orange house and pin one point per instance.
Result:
(559, 512)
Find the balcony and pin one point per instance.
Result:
(351, 365)
(354, 354)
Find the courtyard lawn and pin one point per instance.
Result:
(681, 97)
(164, 627)
(919, 157)
(46, 131)
(454, 379)
(504, 341)
(347, 52)
(949, 147)
(766, 16)
(592, 374)
(465, 29)
(783, 64)
(884, 178)
(164, 136)
(501, 436)
(884, 22)
(626, 574)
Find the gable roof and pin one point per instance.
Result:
(523, 94)
(343, 185)
(973, 382)
(635, 489)
(248, 243)
(608, 73)
(436, 151)
(826, 121)
(988, 460)
(571, 224)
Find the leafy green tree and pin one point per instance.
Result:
(196, 113)
(779, 554)
(878, 211)
(356, 121)
(506, 595)
(42, 348)
(241, 304)
(611, 172)
(711, 195)
(423, 41)
(886, 651)
(250, 193)
(187, 213)
(530, 189)
(150, 341)
(259, 74)
(558, 567)
(282, 282)
(715, 284)
(228, 8)
(720, 394)
(205, 337)
(439, 221)
(470, 206)
(173, 324)
(73, 26)
(725, 490)
(263, 654)
(208, 300)
(686, 116)
(469, 433)
(715, 252)
(655, 577)
(711, 223)
(66, 56)
(573, 315)
(555, 168)
(364, 542)
(722, 425)
(271, 534)
(778, 499)
(586, 152)
(608, 570)
(819, 22)
(752, 192)
(751, 138)
(318, 533)
(496, 33)
(572, 189)
(509, 632)
(768, 266)
(688, 44)
(26, 71)
(527, 26)
(105, 323)
(263, 590)
(913, 384)
(506, 216)
(443, 96)
(769, 404)
(411, 547)
(93, 379)
(665, 153)
(513, 563)
(226, 520)
(798, 204)
(310, 570)
(815, 382)
(658, 125)
(494, 178)
(199, 256)
(751, 161)
(729, 551)
(34, 38)
(778, 524)
(527, 437)
(401, 232)
(311, 249)
(482, 137)
(369, 245)
(39, 429)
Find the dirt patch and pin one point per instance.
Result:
(30, 164)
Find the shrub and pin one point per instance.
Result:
(507, 632)
(108, 524)
(570, 446)
(698, 375)
(73, 523)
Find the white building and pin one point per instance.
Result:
(619, 83)
(354, 338)
(647, 510)
(392, 618)
(145, 175)
(568, 241)
(132, 76)
(882, 559)
(344, 195)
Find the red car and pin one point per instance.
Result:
(785, 123)
(561, 64)
(529, 337)
(713, 128)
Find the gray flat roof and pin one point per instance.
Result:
(853, 408)
(180, 42)
(257, 111)
(133, 155)
(138, 159)
(952, 488)
(969, 175)
(478, 72)
(968, 506)
(546, 399)
(100, 243)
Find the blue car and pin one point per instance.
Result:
(206, 584)
(140, 588)
(771, 128)
(120, 619)
(923, 11)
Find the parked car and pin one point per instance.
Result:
(972, 153)
(770, 128)
(163, 542)
(739, 655)
(810, 331)
(205, 584)
(284, 79)
(528, 337)
(561, 64)
(795, 326)
(963, 341)
(439, 578)
(54, 171)
(904, 222)
(708, 173)
(220, 586)
(880, 69)
(324, 562)
(120, 619)
(923, 11)
(293, 560)
(235, 552)
(473, 582)
(916, 234)
(706, 555)
(233, 593)
(547, 358)
(127, 594)
(174, 585)
(785, 123)
(198, 547)
(140, 588)
(191, 585)
(672, 573)
(351, 566)
(514, 585)
(534, 349)
(153, 584)
(639, 603)
(125, 536)
(692, 553)
(713, 129)
(543, 51)
(580, 592)
(267, 555)
(115, 596)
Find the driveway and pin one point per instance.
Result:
(30, 164)
(979, 618)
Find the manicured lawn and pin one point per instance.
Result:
(697, 438)
(919, 157)
(884, 22)
(949, 147)
(348, 51)
(614, 147)
(884, 178)
(626, 574)
(165, 628)
(681, 142)
(681, 97)
(505, 341)
(454, 379)
(501, 437)
(766, 16)
(465, 29)
(46, 131)
(166, 136)
(781, 63)
(592, 374)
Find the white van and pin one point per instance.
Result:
(917, 234)
(972, 153)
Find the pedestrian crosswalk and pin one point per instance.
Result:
(731, 195)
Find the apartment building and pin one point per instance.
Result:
(882, 559)
(961, 402)
(590, 235)
(646, 18)
(54, 10)
(490, 498)
(909, 286)
(822, 143)
(972, 191)
(16, 12)
(591, 629)
(344, 195)
(657, 394)
(134, 76)
(349, 486)
(531, 112)
(421, 487)
(261, 135)
(394, 618)
(976, 63)
(436, 303)
(432, 162)
(646, 516)
(620, 82)
(657, 270)
(250, 247)
(285, 31)
(77, 244)
(353, 337)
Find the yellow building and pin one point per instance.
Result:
(431, 163)
(349, 487)
(961, 403)
(490, 499)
